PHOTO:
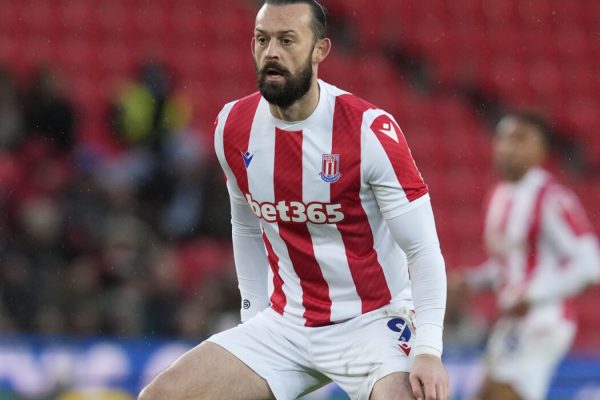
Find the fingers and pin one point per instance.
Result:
(415, 384)
(443, 392)
(429, 390)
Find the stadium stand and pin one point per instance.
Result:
(444, 69)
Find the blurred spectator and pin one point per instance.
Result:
(147, 109)
(184, 170)
(48, 113)
(165, 295)
(96, 248)
(11, 118)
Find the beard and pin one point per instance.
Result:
(294, 87)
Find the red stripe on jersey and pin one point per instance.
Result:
(355, 230)
(236, 136)
(569, 309)
(278, 299)
(288, 187)
(392, 139)
(534, 230)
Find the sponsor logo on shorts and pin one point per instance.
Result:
(401, 326)
(296, 211)
(246, 304)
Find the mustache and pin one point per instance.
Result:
(272, 66)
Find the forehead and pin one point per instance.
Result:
(510, 127)
(282, 18)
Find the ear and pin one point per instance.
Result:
(252, 44)
(321, 51)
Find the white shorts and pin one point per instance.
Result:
(295, 360)
(525, 353)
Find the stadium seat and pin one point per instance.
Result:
(539, 54)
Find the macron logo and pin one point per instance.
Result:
(389, 130)
(247, 156)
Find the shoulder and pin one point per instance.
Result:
(235, 114)
(242, 107)
(347, 101)
(370, 118)
(558, 194)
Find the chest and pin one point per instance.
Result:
(513, 217)
(299, 165)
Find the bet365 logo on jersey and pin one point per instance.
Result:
(296, 211)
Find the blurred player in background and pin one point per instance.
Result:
(542, 251)
(329, 214)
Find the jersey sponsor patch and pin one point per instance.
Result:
(400, 326)
(330, 168)
(247, 156)
(296, 211)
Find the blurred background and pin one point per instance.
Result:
(115, 252)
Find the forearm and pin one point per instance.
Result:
(428, 280)
(582, 269)
(251, 269)
(250, 261)
(484, 276)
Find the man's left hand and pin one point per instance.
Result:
(519, 309)
(428, 378)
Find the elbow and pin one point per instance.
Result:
(422, 249)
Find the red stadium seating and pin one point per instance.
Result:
(542, 53)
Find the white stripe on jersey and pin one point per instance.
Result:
(326, 238)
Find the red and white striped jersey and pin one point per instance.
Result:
(540, 242)
(322, 189)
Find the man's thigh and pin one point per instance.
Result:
(207, 372)
(277, 350)
(360, 352)
(395, 386)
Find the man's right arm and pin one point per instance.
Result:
(248, 247)
(250, 259)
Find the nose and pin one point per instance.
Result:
(272, 51)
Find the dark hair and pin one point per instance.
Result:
(535, 120)
(319, 13)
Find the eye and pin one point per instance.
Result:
(261, 40)
(286, 41)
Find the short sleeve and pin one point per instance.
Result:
(565, 220)
(234, 192)
(390, 169)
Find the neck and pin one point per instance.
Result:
(302, 108)
(519, 175)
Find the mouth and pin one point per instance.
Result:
(274, 74)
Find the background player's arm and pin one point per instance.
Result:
(569, 233)
(484, 276)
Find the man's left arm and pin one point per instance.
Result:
(403, 200)
(415, 233)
